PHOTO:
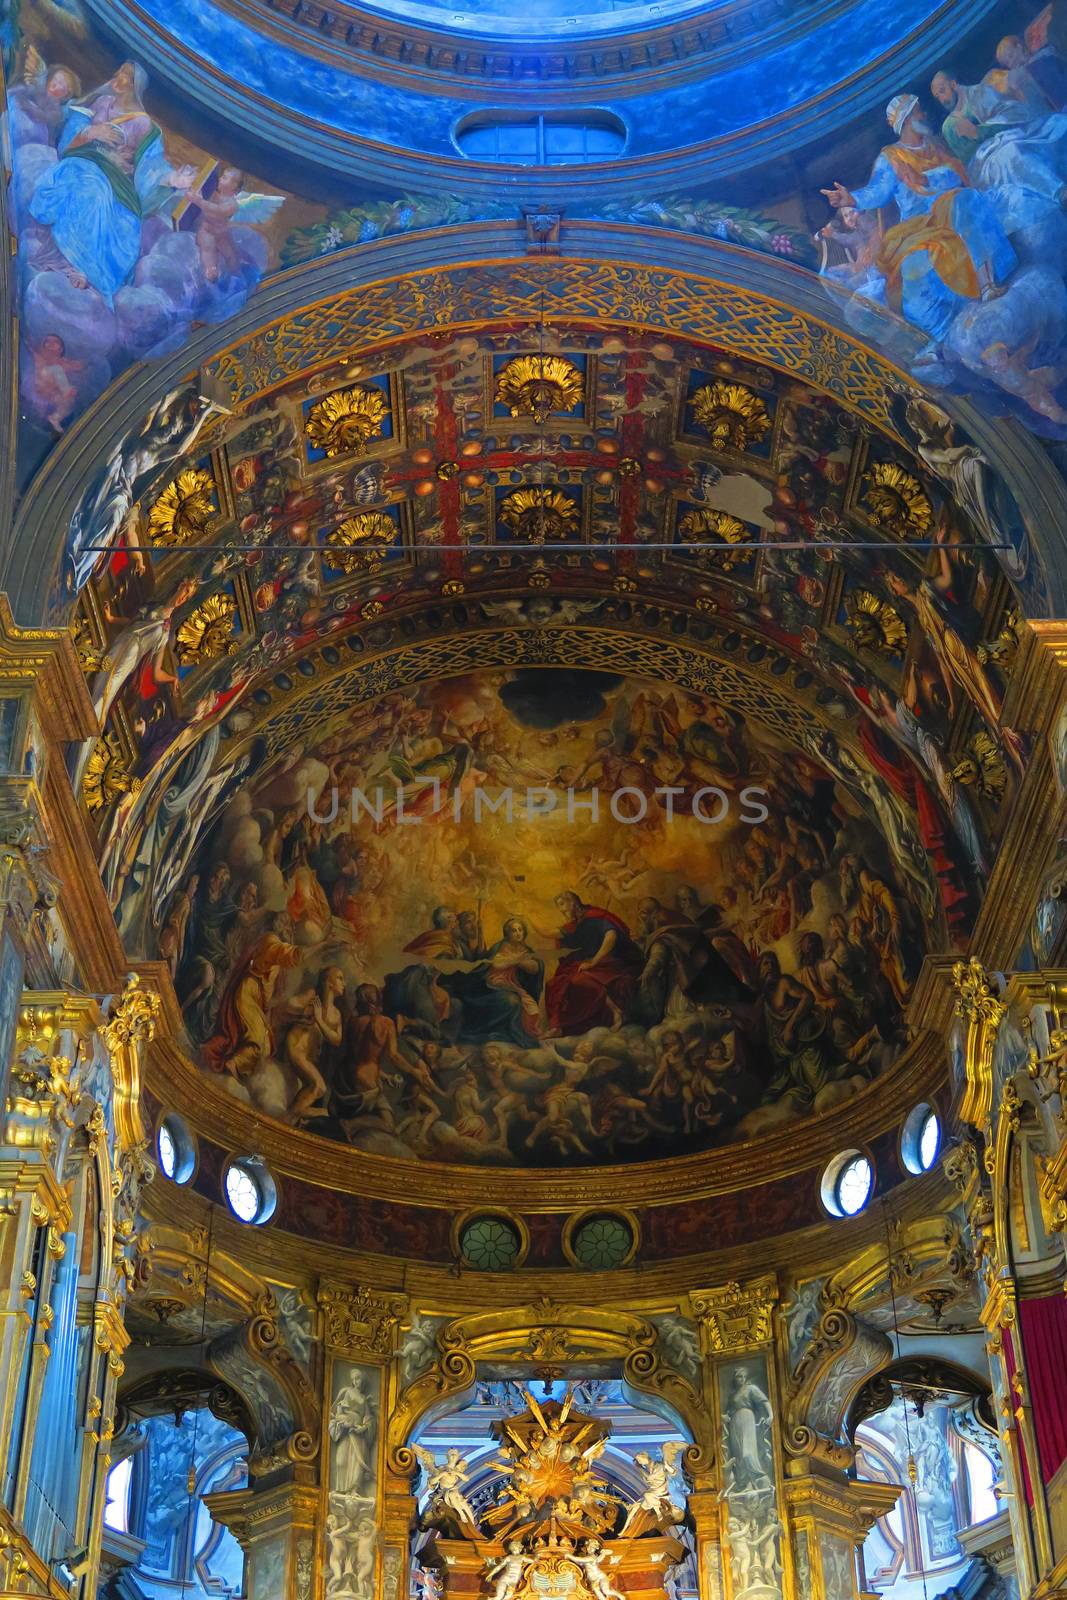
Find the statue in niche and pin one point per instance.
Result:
(353, 1429)
(754, 1528)
(748, 1423)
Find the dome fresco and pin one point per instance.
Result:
(478, 484)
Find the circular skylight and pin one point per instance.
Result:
(559, 19)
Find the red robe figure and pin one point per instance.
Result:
(595, 984)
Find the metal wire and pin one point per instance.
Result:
(562, 545)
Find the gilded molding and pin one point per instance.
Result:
(358, 1322)
(737, 1316)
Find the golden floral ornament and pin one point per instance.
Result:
(874, 624)
(733, 417)
(539, 387)
(107, 774)
(359, 543)
(896, 501)
(716, 527)
(537, 515)
(184, 511)
(207, 633)
(981, 765)
(347, 420)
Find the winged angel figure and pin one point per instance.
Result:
(444, 1483)
(657, 1506)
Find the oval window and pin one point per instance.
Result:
(250, 1190)
(572, 138)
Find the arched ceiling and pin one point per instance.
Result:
(380, 575)
(764, 544)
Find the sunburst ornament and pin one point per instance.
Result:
(896, 501)
(185, 509)
(359, 543)
(874, 624)
(732, 416)
(538, 515)
(207, 633)
(710, 526)
(347, 420)
(107, 775)
(539, 387)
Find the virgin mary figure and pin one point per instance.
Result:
(112, 172)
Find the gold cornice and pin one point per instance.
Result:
(46, 660)
(291, 1258)
(182, 1086)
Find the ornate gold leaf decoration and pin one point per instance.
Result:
(358, 1321)
(92, 657)
(539, 386)
(1002, 651)
(347, 420)
(537, 515)
(737, 1316)
(184, 510)
(360, 542)
(731, 415)
(897, 502)
(874, 624)
(981, 766)
(698, 527)
(207, 633)
(107, 774)
(976, 999)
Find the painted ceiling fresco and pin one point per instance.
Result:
(512, 987)
(936, 227)
(334, 592)
(564, 552)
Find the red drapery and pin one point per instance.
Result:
(1043, 1324)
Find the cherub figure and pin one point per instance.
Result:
(594, 1561)
(227, 203)
(507, 1573)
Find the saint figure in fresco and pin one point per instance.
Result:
(501, 996)
(595, 983)
(243, 1036)
(111, 173)
(949, 247)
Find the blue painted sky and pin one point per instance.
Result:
(711, 109)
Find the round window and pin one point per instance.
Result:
(853, 1187)
(847, 1184)
(491, 1244)
(603, 1242)
(920, 1140)
(175, 1150)
(250, 1190)
(929, 1141)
